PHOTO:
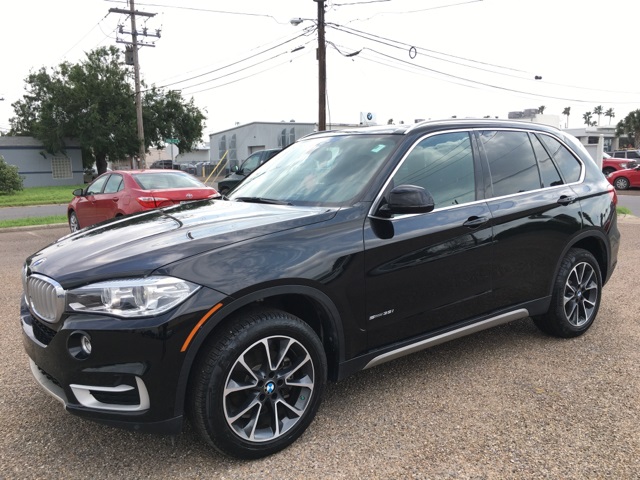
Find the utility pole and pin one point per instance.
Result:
(322, 70)
(136, 67)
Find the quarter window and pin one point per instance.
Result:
(567, 163)
(511, 162)
(442, 165)
(548, 171)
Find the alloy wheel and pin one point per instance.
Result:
(580, 294)
(268, 389)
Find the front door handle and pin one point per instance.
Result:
(567, 200)
(475, 221)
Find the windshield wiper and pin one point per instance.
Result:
(269, 201)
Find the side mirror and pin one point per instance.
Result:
(235, 168)
(78, 192)
(407, 199)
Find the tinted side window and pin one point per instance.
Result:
(633, 155)
(548, 171)
(251, 163)
(618, 154)
(568, 164)
(442, 165)
(114, 184)
(96, 187)
(511, 162)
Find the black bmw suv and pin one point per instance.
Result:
(347, 250)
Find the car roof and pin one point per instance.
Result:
(430, 125)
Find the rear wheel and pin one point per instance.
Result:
(621, 183)
(258, 384)
(576, 296)
(74, 226)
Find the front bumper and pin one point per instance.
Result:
(131, 377)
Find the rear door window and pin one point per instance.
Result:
(512, 163)
(548, 171)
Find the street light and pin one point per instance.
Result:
(322, 64)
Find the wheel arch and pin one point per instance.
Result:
(307, 303)
(594, 242)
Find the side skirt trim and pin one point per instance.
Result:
(445, 337)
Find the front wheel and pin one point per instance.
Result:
(621, 183)
(258, 384)
(74, 225)
(576, 296)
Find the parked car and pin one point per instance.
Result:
(237, 311)
(632, 154)
(252, 162)
(165, 164)
(114, 194)
(624, 179)
(611, 164)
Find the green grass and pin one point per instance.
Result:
(39, 196)
(623, 211)
(31, 221)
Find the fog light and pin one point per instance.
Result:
(85, 344)
(79, 345)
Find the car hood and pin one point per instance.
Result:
(138, 244)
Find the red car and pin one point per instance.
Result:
(122, 192)
(611, 164)
(623, 179)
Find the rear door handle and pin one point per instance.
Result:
(475, 222)
(566, 200)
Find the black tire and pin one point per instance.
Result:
(74, 226)
(608, 170)
(621, 183)
(576, 296)
(269, 406)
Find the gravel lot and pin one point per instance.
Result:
(507, 403)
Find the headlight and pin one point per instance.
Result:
(623, 165)
(136, 297)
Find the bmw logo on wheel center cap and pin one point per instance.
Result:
(269, 387)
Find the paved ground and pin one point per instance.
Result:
(507, 403)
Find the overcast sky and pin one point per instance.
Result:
(469, 58)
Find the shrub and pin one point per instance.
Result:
(10, 181)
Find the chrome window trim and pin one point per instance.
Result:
(378, 199)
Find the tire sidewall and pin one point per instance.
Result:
(573, 258)
(222, 435)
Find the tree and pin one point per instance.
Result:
(541, 109)
(567, 112)
(587, 118)
(10, 181)
(598, 111)
(93, 102)
(609, 113)
(630, 126)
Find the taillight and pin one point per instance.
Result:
(154, 202)
(613, 195)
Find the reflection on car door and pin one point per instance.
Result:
(534, 211)
(106, 203)
(86, 205)
(436, 264)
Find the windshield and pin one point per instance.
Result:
(330, 171)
